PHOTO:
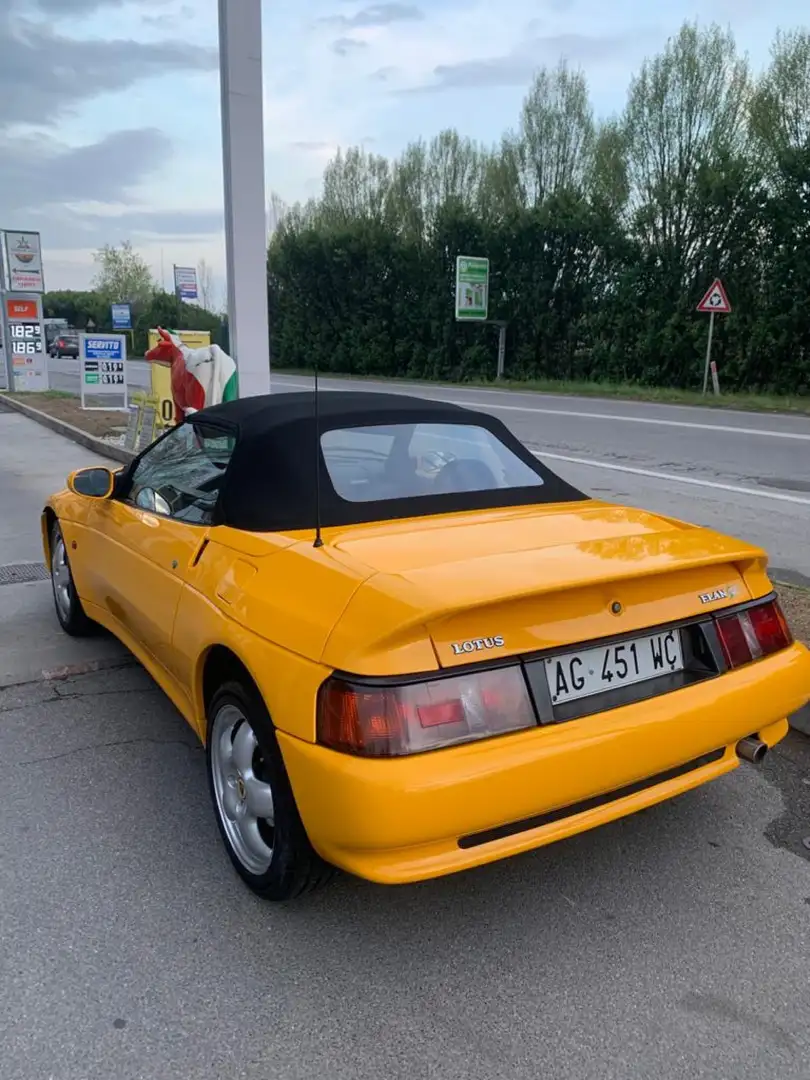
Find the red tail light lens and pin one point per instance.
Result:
(770, 627)
(398, 720)
(753, 633)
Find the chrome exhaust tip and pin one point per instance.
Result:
(752, 749)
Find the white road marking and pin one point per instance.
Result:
(674, 478)
(613, 417)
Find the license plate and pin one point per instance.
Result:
(607, 667)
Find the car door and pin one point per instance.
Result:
(149, 536)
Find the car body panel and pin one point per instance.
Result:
(538, 587)
(135, 564)
(401, 820)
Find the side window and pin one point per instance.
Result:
(181, 476)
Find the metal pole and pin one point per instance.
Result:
(501, 350)
(715, 380)
(708, 353)
(5, 343)
(82, 373)
(4, 335)
(240, 67)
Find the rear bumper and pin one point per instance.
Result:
(409, 819)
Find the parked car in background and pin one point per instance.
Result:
(65, 344)
(53, 328)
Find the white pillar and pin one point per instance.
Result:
(240, 68)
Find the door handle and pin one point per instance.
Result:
(174, 564)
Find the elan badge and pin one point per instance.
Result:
(718, 594)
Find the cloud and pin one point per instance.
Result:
(517, 67)
(73, 8)
(345, 45)
(383, 74)
(168, 21)
(310, 147)
(76, 193)
(38, 170)
(69, 71)
(375, 15)
(165, 224)
(73, 231)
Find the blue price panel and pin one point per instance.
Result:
(103, 348)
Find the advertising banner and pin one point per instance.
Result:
(24, 257)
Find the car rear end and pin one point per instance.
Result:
(67, 344)
(507, 747)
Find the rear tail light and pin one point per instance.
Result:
(753, 633)
(392, 721)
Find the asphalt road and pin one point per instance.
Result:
(63, 374)
(672, 944)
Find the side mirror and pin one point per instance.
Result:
(97, 482)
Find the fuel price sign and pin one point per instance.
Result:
(104, 365)
(26, 347)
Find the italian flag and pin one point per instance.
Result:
(212, 368)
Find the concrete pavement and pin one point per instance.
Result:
(63, 374)
(33, 464)
(672, 944)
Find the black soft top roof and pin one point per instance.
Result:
(270, 482)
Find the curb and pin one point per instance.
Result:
(69, 671)
(68, 431)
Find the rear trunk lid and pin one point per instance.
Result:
(511, 582)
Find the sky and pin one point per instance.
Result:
(110, 109)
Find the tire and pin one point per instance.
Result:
(253, 800)
(69, 611)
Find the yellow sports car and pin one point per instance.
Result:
(408, 646)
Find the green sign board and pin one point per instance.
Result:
(472, 287)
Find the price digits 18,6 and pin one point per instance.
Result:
(26, 338)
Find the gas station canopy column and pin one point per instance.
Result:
(240, 66)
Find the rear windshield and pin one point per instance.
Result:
(400, 461)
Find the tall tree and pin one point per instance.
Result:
(355, 185)
(277, 210)
(780, 108)
(408, 197)
(608, 183)
(122, 275)
(686, 117)
(780, 121)
(555, 143)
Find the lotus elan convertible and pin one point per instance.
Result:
(409, 647)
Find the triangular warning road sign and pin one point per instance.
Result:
(715, 300)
